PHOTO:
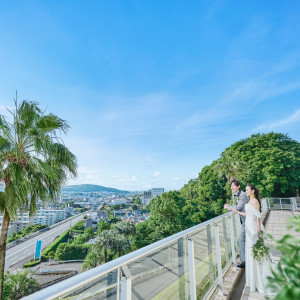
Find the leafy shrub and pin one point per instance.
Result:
(67, 251)
(52, 247)
(31, 264)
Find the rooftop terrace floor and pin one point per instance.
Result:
(276, 226)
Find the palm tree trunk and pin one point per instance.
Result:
(105, 254)
(3, 237)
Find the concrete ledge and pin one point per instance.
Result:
(229, 282)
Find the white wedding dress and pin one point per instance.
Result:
(256, 272)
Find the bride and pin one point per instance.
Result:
(256, 272)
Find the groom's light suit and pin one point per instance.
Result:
(241, 199)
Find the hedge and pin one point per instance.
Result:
(31, 264)
(53, 246)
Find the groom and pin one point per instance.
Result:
(241, 199)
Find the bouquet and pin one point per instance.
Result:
(260, 250)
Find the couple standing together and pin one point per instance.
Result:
(248, 206)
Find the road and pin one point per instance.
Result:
(27, 248)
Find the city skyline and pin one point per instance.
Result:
(155, 91)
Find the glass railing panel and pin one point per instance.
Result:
(286, 203)
(163, 274)
(205, 260)
(236, 231)
(224, 235)
(274, 203)
(104, 287)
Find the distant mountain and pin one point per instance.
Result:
(90, 188)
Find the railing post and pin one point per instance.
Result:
(280, 203)
(181, 267)
(209, 253)
(294, 203)
(219, 261)
(118, 285)
(232, 241)
(227, 247)
(192, 268)
(126, 284)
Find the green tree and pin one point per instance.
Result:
(273, 162)
(102, 225)
(51, 254)
(94, 258)
(89, 232)
(231, 166)
(125, 227)
(167, 216)
(34, 164)
(121, 243)
(106, 240)
(143, 235)
(19, 284)
(66, 251)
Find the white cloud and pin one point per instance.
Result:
(274, 90)
(156, 174)
(295, 117)
(87, 176)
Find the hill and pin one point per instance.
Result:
(90, 188)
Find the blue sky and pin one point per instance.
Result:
(154, 90)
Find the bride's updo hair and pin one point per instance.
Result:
(256, 193)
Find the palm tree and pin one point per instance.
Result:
(106, 240)
(122, 243)
(34, 164)
(93, 259)
(20, 284)
(230, 166)
(127, 228)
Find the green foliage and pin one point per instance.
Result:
(94, 258)
(134, 207)
(66, 251)
(80, 239)
(286, 278)
(51, 254)
(137, 201)
(19, 284)
(167, 214)
(53, 246)
(126, 228)
(102, 225)
(143, 235)
(260, 251)
(272, 161)
(78, 227)
(89, 232)
(31, 264)
(27, 231)
(34, 163)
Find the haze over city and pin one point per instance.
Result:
(154, 91)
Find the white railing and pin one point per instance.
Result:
(292, 203)
(187, 265)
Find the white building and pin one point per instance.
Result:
(52, 215)
(149, 195)
(118, 201)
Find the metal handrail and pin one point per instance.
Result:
(72, 283)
